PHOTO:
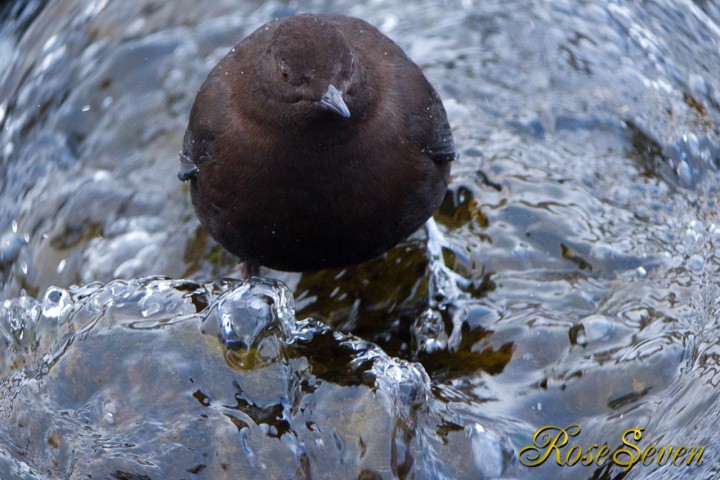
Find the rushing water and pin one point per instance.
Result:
(584, 209)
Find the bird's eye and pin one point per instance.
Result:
(284, 75)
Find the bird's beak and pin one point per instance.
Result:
(332, 100)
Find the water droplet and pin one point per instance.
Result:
(21, 315)
(250, 312)
(429, 332)
(696, 263)
(684, 173)
(110, 410)
(56, 303)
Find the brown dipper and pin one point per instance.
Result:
(315, 143)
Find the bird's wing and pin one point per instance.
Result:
(203, 126)
(430, 129)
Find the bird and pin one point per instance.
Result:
(315, 143)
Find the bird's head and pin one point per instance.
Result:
(309, 72)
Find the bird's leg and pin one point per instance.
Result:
(248, 268)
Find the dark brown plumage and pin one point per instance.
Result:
(315, 143)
